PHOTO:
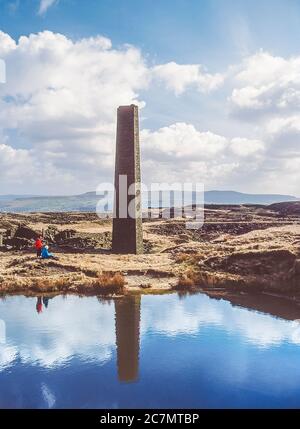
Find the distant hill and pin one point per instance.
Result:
(13, 197)
(87, 202)
(232, 197)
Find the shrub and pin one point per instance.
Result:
(187, 281)
(109, 283)
(182, 257)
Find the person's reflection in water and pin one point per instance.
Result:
(39, 305)
(40, 301)
(46, 300)
(127, 317)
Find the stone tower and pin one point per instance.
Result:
(127, 230)
(127, 322)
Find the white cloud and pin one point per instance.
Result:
(180, 77)
(45, 5)
(266, 93)
(2, 332)
(7, 44)
(58, 113)
(62, 110)
(48, 395)
(15, 164)
(242, 147)
(2, 71)
(290, 124)
(69, 331)
(267, 84)
(86, 330)
(60, 345)
(181, 151)
(260, 329)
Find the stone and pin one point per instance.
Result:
(25, 232)
(127, 231)
(297, 267)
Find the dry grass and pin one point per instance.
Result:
(187, 281)
(190, 259)
(109, 283)
(106, 284)
(181, 258)
(194, 279)
(211, 258)
(51, 285)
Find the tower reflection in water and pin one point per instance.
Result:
(127, 318)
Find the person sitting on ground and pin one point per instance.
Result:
(46, 254)
(38, 246)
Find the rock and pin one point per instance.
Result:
(18, 243)
(297, 267)
(50, 233)
(273, 268)
(25, 232)
(62, 236)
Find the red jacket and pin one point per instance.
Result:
(38, 244)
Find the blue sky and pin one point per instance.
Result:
(227, 40)
(214, 32)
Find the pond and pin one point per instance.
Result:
(148, 351)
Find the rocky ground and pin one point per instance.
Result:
(244, 248)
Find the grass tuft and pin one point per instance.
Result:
(187, 281)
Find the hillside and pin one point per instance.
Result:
(10, 197)
(286, 208)
(239, 248)
(232, 197)
(87, 202)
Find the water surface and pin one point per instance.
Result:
(143, 352)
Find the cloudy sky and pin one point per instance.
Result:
(217, 81)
